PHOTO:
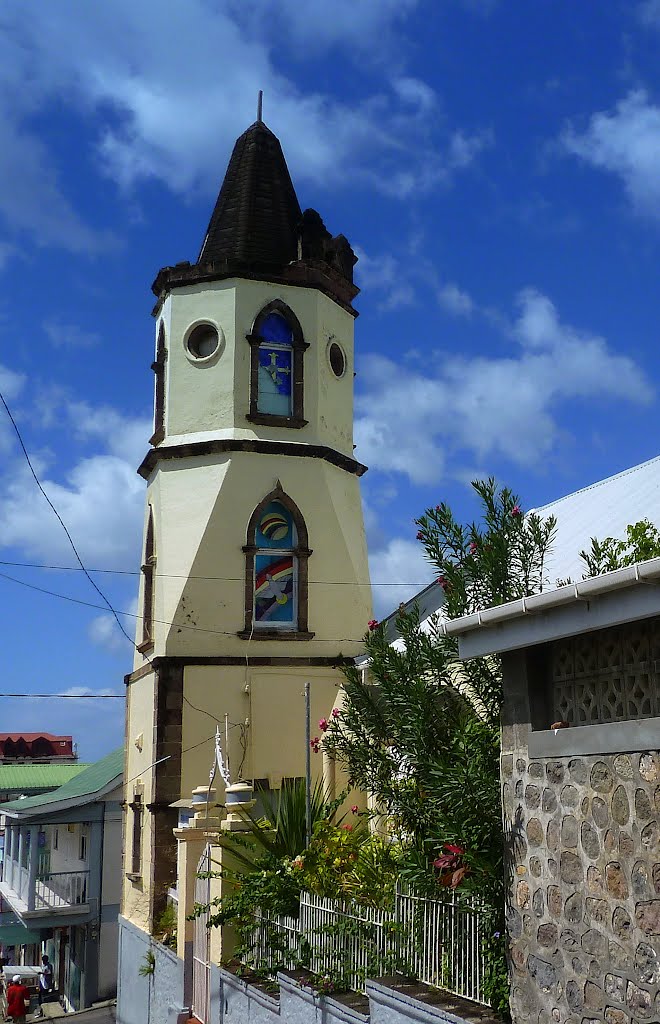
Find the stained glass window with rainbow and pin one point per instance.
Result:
(275, 569)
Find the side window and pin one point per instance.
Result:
(148, 571)
(276, 569)
(159, 399)
(276, 557)
(277, 349)
(136, 848)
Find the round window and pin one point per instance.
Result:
(202, 341)
(337, 359)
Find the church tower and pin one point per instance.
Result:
(254, 577)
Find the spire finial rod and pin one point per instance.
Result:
(260, 103)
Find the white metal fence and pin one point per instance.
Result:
(440, 942)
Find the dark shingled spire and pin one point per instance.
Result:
(257, 216)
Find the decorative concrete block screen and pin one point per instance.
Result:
(607, 676)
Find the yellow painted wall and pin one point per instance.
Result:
(140, 728)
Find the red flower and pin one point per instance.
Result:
(335, 712)
(315, 744)
(453, 849)
(347, 828)
(474, 547)
(355, 808)
(372, 624)
(443, 582)
(516, 510)
(323, 724)
(420, 535)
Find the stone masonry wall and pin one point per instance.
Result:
(584, 913)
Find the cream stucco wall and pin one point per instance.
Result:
(212, 397)
(201, 507)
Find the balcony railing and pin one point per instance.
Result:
(58, 889)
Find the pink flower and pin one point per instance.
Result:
(516, 510)
(335, 712)
(323, 724)
(315, 744)
(420, 535)
(473, 547)
(438, 508)
(347, 828)
(355, 808)
(443, 582)
(372, 624)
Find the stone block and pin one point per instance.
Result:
(647, 916)
(536, 866)
(597, 910)
(649, 767)
(569, 832)
(615, 987)
(601, 777)
(593, 996)
(547, 935)
(534, 832)
(643, 809)
(522, 895)
(543, 973)
(554, 900)
(639, 1000)
(535, 770)
(619, 958)
(590, 840)
(538, 902)
(620, 806)
(621, 923)
(574, 995)
(577, 770)
(615, 880)
(616, 1016)
(647, 964)
(569, 797)
(594, 879)
(573, 908)
(555, 772)
(549, 801)
(570, 868)
(594, 942)
(532, 797)
(552, 836)
(649, 838)
(623, 766)
(639, 879)
(600, 812)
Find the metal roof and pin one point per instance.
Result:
(25, 777)
(603, 509)
(81, 789)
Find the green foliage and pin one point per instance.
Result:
(165, 926)
(422, 732)
(642, 542)
(496, 979)
(148, 966)
(347, 862)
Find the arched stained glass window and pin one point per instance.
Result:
(275, 390)
(275, 568)
(276, 367)
(276, 556)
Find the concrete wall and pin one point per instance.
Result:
(584, 845)
(241, 1003)
(147, 1000)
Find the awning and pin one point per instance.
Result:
(16, 935)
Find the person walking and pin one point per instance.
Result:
(18, 1000)
(45, 979)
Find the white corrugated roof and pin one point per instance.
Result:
(603, 509)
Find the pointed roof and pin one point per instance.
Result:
(257, 215)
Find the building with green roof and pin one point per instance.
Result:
(61, 876)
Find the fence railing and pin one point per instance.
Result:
(61, 889)
(440, 942)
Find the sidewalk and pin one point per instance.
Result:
(104, 1014)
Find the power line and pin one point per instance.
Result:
(186, 576)
(68, 696)
(161, 622)
(59, 518)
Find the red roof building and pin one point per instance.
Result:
(36, 746)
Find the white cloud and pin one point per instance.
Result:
(68, 335)
(105, 633)
(141, 81)
(625, 142)
(455, 300)
(401, 562)
(106, 532)
(481, 407)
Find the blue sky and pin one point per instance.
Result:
(495, 165)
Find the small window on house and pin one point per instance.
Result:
(56, 839)
(203, 341)
(136, 849)
(82, 852)
(337, 359)
(276, 568)
(148, 569)
(276, 375)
